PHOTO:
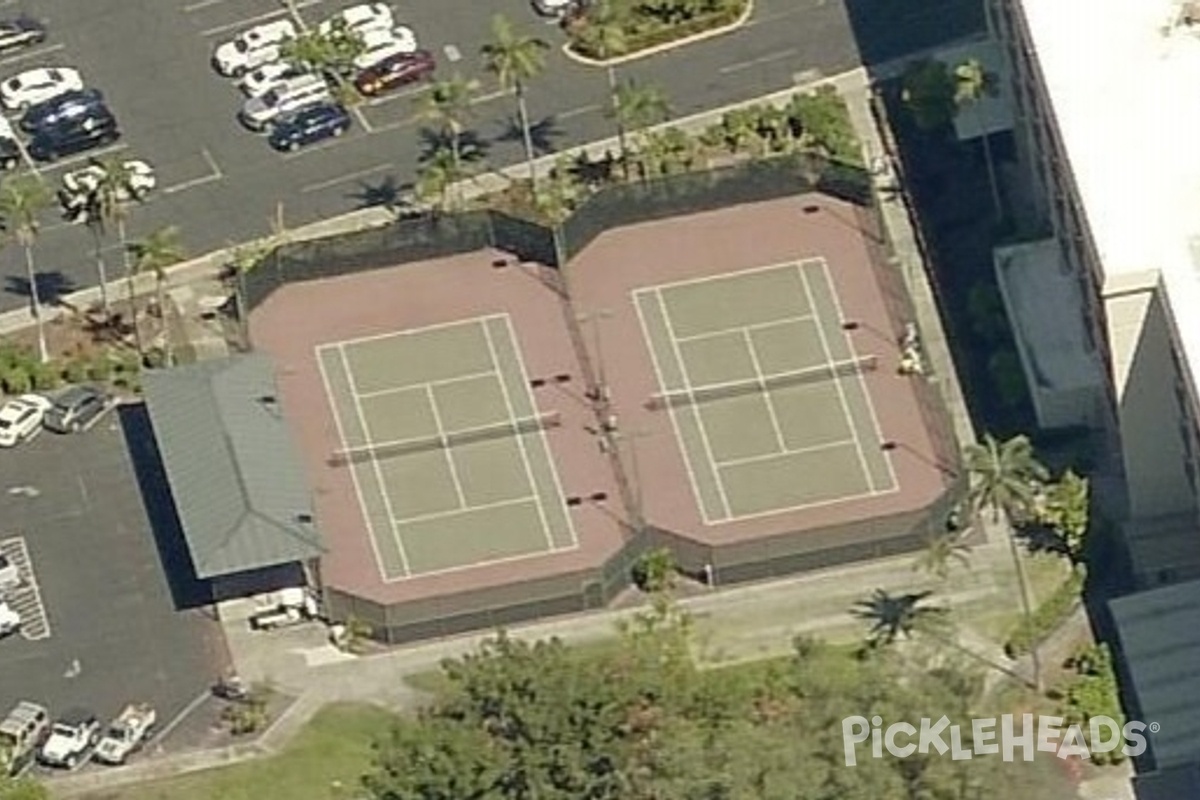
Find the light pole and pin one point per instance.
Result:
(635, 470)
(594, 318)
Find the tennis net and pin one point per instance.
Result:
(373, 452)
(718, 391)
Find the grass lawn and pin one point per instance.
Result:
(333, 749)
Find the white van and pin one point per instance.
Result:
(253, 48)
(284, 98)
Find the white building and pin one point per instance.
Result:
(1106, 97)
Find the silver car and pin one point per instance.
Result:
(284, 98)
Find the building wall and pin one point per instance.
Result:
(1151, 398)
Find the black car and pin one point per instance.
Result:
(20, 32)
(308, 125)
(61, 109)
(76, 409)
(10, 154)
(76, 136)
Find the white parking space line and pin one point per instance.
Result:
(26, 599)
(358, 114)
(761, 60)
(214, 174)
(82, 158)
(320, 148)
(453, 54)
(250, 22)
(578, 112)
(407, 94)
(348, 177)
(191, 8)
(30, 55)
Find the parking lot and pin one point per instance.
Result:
(102, 629)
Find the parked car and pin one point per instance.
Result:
(10, 620)
(259, 112)
(359, 19)
(10, 151)
(126, 733)
(60, 109)
(94, 130)
(555, 8)
(20, 32)
(76, 409)
(10, 575)
(394, 72)
(72, 739)
(21, 418)
(80, 185)
(38, 85)
(253, 48)
(21, 733)
(309, 125)
(381, 44)
(257, 81)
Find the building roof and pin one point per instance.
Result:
(1123, 78)
(1171, 784)
(234, 471)
(1159, 633)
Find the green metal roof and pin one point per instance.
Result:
(234, 471)
(1159, 634)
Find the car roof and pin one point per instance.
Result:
(73, 394)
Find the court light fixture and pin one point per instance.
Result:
(850, 325)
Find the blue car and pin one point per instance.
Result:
(62, 109)
(309, 125)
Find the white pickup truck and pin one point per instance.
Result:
(126, 733)
(284, 608)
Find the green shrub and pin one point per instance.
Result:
(75, 371)
(155, 358)
(1052, 612)
(46, 377)
(645, 29)
(16, 379)
(100, 370)
(1092, 691)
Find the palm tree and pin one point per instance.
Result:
(447, 104)
(604, 34)
(515, 59)
(436, 175)
(942, 552)
(154, 253)
(22, 199)
(109, 206)
(901, 614)
(972, 83)
(638, 106)
(1006, 479)
(330, 52)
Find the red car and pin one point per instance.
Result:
(392, 73)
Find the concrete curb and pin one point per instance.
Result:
(665, 47)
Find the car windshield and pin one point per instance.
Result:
(62, 729)
(241, 45)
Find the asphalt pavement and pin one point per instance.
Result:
(221, 184)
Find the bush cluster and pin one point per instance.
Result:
(21, 372)
(650, 24)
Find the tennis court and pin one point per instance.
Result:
(449, 455)
(766, 393)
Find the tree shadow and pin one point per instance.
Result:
(542, 134)
(387, 193)
(52, 287)
(472, 147)
(1036, 538)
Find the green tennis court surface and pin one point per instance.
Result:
(765, 391)
(446, 447)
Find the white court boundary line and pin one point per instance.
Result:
(437, 326)
(456, 512)
(387, 500)
(662, 384)
(766, 392)
(520, 441)
(794, 263)
(814, 448)
(687, 383)
(758, 326)
(837, 380)
(337, 422)
(562, 496)
(413, 387)
(862, 380)
(441, 429)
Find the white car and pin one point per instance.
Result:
(38, 85)
(258, 81)
(10, 574)
(381, 44)
(79, 185)
(21, 418)
(360, 19)
(253, 48)
(10, 621)
(554, 8)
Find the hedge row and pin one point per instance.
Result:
(1053, 611)
(659, 34)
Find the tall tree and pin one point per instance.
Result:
(447, 104)
(332, 51)
(436, 175)
(604, 34)
(1006, 478)
(972, 84)
(22, 200)
(109, 204)
(515, 59)
(942, 551)
(154, 253)
(639, 106)
(930, 92)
